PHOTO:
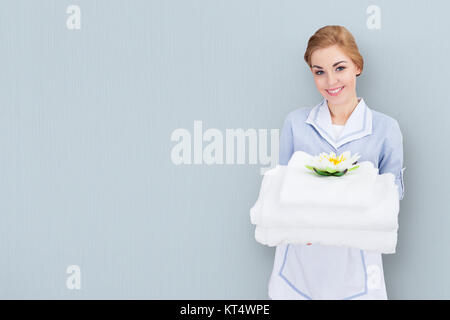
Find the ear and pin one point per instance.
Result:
(358, 71)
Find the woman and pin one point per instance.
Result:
(341, 122)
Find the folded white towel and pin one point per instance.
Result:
(268, 211)
(346, 221)
(352, 190)
(371, 240)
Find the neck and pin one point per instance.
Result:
(340, 113)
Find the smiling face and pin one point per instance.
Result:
(334, 74)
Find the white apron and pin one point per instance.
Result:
(306, 272)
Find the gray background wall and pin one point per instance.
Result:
(86, 118)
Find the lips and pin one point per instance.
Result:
(334, 91)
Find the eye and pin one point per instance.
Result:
(317, 72)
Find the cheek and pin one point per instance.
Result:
(319, 82)
(349, 78)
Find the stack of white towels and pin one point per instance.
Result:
(296, 205)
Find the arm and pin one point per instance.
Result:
(286, 143)
(391, 159)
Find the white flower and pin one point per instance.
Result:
(334, 164)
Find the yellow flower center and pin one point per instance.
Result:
(337, 160)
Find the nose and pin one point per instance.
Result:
(332, 79)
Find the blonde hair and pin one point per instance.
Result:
(334, 35)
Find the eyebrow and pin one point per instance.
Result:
(333, 64)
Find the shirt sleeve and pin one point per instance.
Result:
(286, 142)
(392, 157)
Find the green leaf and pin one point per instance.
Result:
(340, 173)
(322, 173)
(330, 170)
(355, 167)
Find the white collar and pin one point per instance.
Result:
(358, 125)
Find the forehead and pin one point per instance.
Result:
(328, 56)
